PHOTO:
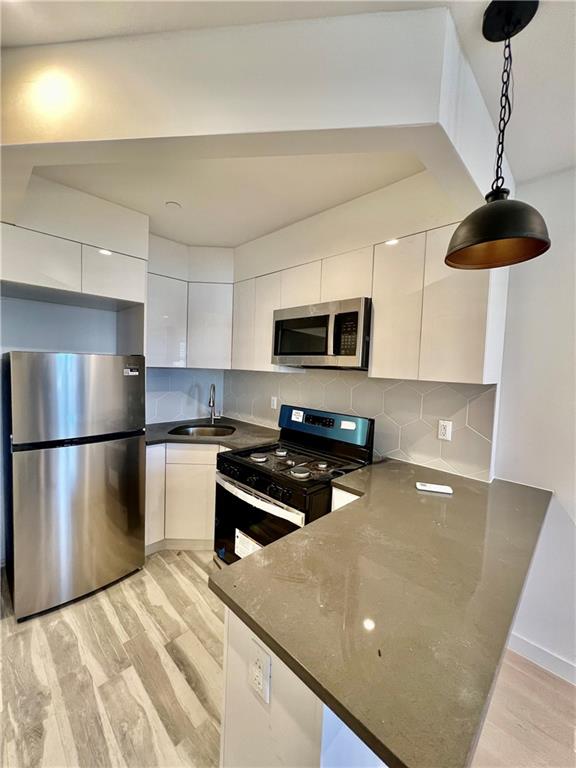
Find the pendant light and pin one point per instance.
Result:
(502, 232)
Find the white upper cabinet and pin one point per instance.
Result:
(397, 308)
(65, 212)
(105, 273)
(348, 275)
(266, 300)
(463, 318)
(209, 325)
(243, 326)
(166, 322)
(300, 285)
(37, 259)
(168, 258)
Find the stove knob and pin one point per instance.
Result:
(286, 494)
(275, 491)
(252, 480)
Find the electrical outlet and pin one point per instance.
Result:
(274, 403)
(444, 430)
(259, 671)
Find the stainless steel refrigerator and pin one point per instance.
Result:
(76, 474)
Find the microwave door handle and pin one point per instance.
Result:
(249, 497)
(331, 327)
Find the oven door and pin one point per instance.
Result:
(247, 521)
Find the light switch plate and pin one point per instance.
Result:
(274, 403)
(259, 671)
(444, 430)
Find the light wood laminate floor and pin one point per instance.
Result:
(132, 676)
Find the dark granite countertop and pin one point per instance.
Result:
(245, 436)
(395, 610)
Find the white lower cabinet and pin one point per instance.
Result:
(191, 493)
(34, 258)
(114, 275)
(155, 493)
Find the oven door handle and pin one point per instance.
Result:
(248, 496)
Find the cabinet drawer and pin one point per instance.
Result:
(191, 453)
(105, 273)
(34, 258)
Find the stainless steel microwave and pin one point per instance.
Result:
(334, 334)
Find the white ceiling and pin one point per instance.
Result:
(232, 200)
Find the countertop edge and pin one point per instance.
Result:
(372, 741)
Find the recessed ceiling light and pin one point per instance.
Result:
(172, 204)
(369, 624)
(391, 242)
(104, 252)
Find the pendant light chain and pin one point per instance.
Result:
(505, 114)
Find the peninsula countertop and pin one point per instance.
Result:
(246, 435)
(396, 609)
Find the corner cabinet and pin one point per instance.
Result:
(166, 322)
(463, 318)
(191, 493)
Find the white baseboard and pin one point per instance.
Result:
(194, 545)
(553, 663)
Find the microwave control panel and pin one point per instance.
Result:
(346, 333)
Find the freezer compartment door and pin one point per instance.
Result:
(78, 519)
(61, 396)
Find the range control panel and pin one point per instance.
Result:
(355, 430)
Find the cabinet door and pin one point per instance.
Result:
(266, 300)
(37, 259)
(155, 492)
(397, 308)
(300, 285)
(166, 322)
(190, 501)
(243, 326)
(454, 315)
(209, 325)
(348, 275)
(105, 273)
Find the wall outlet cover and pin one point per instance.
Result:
(444, 430)
(259, 671)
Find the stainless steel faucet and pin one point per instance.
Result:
(212, 403)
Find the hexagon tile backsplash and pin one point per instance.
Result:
(406, 412)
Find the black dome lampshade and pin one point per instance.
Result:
(502, 232)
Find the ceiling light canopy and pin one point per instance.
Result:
(502, 232)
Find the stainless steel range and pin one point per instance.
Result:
(266, 492)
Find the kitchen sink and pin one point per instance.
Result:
(202, 430)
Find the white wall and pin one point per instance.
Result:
(536, 435)
(174, 394)
(408, 206)
(333, 72)
(46, 327)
